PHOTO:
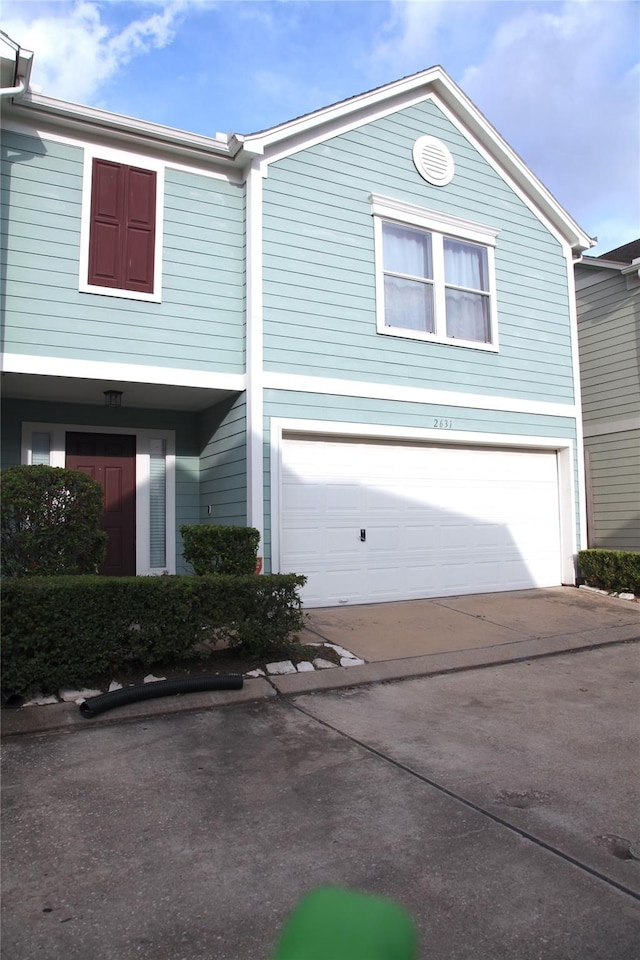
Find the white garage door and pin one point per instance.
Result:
(376, 521)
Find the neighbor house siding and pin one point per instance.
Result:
(199, 325)
(319, 286)
(609, 337)
(614, 472)
(608, 331)
(356, 410)
(223, 463)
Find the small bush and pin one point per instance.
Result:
(49, 522)
(615, 570)
(60, 631)
(225, 550)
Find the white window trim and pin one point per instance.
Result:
(58, 432)
(441, 224)
(92, 152)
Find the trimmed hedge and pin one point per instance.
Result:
(615, 570)
(216, 549)
(49, 522)
(60, 631)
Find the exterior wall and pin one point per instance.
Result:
(614, 475)
(609, 337)
(199, 325)
(319, 278)
(17, 412)
(400, 415)
(223, 463)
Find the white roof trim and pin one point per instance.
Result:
(432, 81)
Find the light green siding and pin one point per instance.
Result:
(390, 413)
(609, 337)
(319, 280)
(223, 463)
(614, 476)
(200, 323)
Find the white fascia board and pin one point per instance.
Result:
(138, 134)
(124, 372)
(300, 383)
(435, 83)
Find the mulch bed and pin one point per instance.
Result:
(219, 663)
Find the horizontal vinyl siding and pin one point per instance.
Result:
(200, 323)
(319, 286)
(609, 339)
(354, 410)
(223, 463)
(615, 490)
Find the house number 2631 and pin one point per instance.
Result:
(442, 424)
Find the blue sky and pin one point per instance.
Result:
(559, 80)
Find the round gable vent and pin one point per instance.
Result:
(433, 161)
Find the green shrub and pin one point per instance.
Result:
(615, 570)
(60, 631)
(49, 522)
(215, 549)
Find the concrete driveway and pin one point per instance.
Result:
(498, 805)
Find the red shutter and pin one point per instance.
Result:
(122, 232)
(140, 230)
(105, 237)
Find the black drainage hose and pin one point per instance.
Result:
(158, 688)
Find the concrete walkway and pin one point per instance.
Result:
(402, 640)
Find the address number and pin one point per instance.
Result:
(442, 424)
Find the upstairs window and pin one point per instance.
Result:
(432, 284)
(121, 230)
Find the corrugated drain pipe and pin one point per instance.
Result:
(159, 688)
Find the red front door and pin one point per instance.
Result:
(111, 460)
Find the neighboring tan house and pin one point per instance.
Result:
(355, 331)
(608, 300)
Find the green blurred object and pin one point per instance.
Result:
(334, 924)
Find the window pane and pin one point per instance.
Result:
(467, 316)
(157, 502)
(41, 448)
(407, 251)
(465, 265)
(408, 304)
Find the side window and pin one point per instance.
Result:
(121, 242)
(122, 233)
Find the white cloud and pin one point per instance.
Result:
(561, 83)
(76, 52)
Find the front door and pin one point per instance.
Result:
(111, 460)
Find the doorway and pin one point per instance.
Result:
(110, 459)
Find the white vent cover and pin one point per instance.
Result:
(433, 161)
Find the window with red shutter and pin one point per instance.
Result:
(122, 227)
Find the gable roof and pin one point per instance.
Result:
(237, 151)
(432, 83)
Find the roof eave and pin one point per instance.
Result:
(79, 118)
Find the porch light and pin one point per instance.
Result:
(113, 398)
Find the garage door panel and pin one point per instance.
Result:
(439, 520)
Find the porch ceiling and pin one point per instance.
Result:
(155, 396)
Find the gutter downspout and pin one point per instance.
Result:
(14, 91)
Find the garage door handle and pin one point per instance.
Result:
(363, 535)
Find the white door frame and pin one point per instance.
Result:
(57, 458)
